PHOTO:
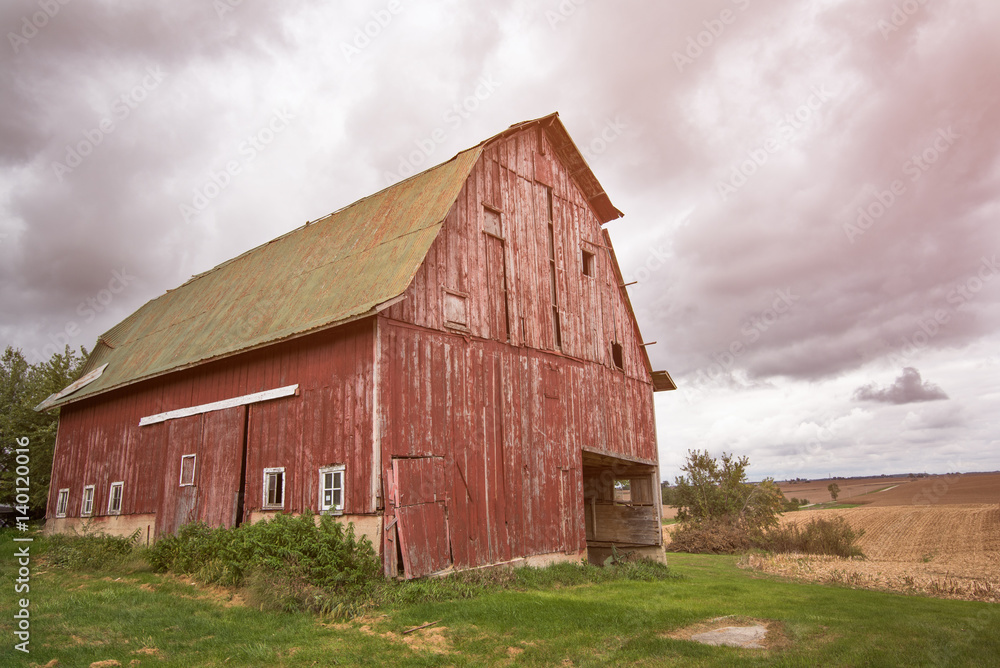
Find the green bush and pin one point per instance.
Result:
(90, 551)
(325, 555)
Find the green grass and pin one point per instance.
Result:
(82, 617)
(830, 505)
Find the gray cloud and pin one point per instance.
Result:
(907, 389)
(907, 289)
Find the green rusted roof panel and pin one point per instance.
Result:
(330, 271)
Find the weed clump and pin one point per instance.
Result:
(820, 536)
(90, 550)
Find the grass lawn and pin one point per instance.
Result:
(158, 620)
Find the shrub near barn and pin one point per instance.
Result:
(720, 512)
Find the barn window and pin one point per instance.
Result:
(455, 311)
(187, 470)
(492, 222)
(62, 502)
(115, 498)
(274, 487)
(588, 263)
(331, 489)
(87, 507)
(618, 356)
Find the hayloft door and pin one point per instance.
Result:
(421, 511)
(496, 278)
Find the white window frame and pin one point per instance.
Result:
(267, 473)
(112, 508)
(87, 504)
(62, 502)
(338, 472)
(194, 465)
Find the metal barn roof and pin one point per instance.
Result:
(328, 272)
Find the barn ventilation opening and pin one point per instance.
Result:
(620, 507)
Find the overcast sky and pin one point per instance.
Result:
(811, 188)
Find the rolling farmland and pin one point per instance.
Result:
(938, 535)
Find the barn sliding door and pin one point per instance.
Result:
(421, 515)
(201, 468)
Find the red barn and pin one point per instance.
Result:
(452, 364)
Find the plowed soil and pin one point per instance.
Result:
(948, 550)
(903, 491)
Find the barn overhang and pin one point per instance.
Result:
(621, 506)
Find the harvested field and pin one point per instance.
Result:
(964, 488)
(950, 550)
(955, 488)
(816, 490)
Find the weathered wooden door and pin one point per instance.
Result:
(496, 279)
(210, 493)
(420, 506)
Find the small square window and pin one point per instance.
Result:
(618, 356)
(115, 498)
(62, 502)
(588, 263)
(331, 489)
(274, 487)
(455, 311)
(492, 222)
(87, 507)
(187, 470)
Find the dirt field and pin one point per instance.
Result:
(949, 550)
(816, 490)
(938, 536)
(903, 491)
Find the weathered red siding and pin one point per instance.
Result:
(510, 419)
(329, 421)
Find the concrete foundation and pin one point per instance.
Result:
(112, 525)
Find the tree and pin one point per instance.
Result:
(22, 387)
(834, 490)
(716, 492)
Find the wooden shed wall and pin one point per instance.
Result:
(330, 421)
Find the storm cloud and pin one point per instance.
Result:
(810, 188)
(909, 388)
